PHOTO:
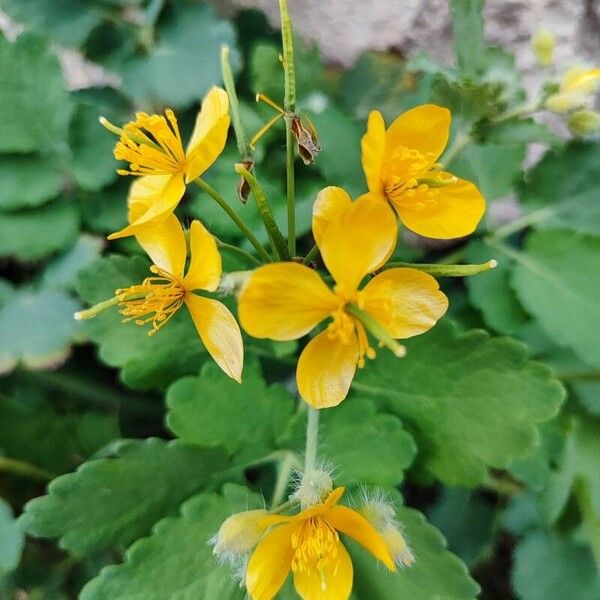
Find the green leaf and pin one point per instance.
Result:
(35, 108)
(562, 189)
(62, 272)
(491, 292)
(28, 180)
(37, 328)
(62, 440)
(69, 22)
(362, 445)
(106, 210)
(556, 277)
(339, 161)
(214, 410)
(114, 501)
(549, 566)
(578, 463)
(492, 167)
(12, 539)
(467, 28)
(146, 361)
(436, 572)
(471, 402)
(32, 234)
(177, 561)
(520, 131)
(183, 64)
(467, 522)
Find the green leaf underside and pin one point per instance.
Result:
(557, 277)
(114, 501)
(12, 539)
(471, 402)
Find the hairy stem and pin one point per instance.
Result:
(312, 439)
(446, 270)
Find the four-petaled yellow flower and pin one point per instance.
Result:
(284, 301)
(400, 166)
(158, 298)
(309, 545)
(153, 148)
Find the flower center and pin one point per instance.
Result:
(408, 175)
(315, 545)
(151, 145)
(155, 300)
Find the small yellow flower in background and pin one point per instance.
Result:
(153, 148)
(584, 122)
(285, 301)
(308, 544)
(158, 298)
(577, 89)
(400, 166)
(542, 44)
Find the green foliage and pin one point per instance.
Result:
(469, 401)
(469, 45)
(12, 539)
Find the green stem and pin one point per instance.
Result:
(312, 254)
(440, 270)
(460, 141)
(203, 185)
(591, 521)
(291, 189)
(376, 330)
(312, 439)
(243, 147)
(262, 203)
(525, 109)
(591, 375)
(289, 104)
(519, 224)
(24, 469)
(242, 253)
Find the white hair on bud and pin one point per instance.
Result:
(312, 487)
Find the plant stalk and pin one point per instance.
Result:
(440, 270)
(312, 439)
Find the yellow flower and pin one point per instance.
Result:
(285, 301)
(576, 90)
(309, 545)
(158, 298)
(543, 46)
(400, 165)
(153, 148)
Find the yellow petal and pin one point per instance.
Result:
(165, 245)
(446, 212)
(151, 200)
(270, 563)
(329, 204)
(333, 581)
(205, 268)
(209, 135)
(424, 128)
(219, 333)
(284, 301)
(406, 302)
(325, 370)
(373, 150)
(351, 523)
(359, 240)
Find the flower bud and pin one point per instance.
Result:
(542, 44)
(584, 122)
(239, 534)
(314, 487)
(382, 516)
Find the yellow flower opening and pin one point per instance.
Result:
(158, 298)
(153, 147)
(308, 544)
(400, 165)
(285, 301)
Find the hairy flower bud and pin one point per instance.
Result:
(314, 486)
(584, 122)
(542, 44)
(239, 534)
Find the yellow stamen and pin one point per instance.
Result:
(154, 301)
(270, 122)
